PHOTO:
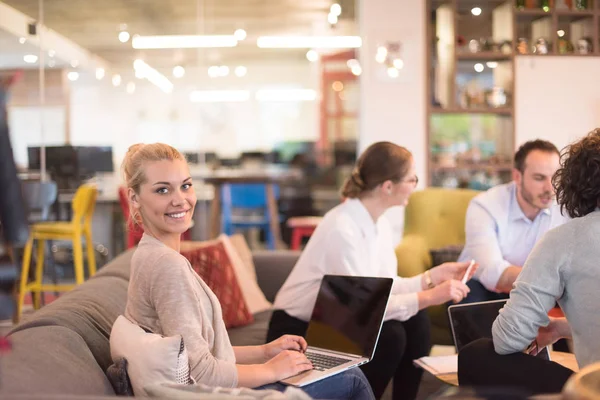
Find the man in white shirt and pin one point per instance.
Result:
(504, 223)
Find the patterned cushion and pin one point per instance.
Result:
(213, 265)
(150, 357)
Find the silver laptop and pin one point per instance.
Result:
(344, 326)
(473, 321)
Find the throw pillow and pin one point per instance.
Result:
(253, 295)
(241, 247)
(213, 264)
(151, 358)
(445, 254)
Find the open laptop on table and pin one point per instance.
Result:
(344, 326)
(473, 321)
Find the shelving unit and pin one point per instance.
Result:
(470, 78)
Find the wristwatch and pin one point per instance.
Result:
(428, 280)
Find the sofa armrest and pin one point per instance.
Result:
(413, 256)
(272, 269)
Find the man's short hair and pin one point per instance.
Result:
(528, 147)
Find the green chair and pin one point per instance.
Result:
(435, 218)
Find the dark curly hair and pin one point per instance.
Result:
(577, 182)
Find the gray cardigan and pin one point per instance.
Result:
(563, 267)
(167, 297)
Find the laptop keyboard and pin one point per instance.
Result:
(322, 362)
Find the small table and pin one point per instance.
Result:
(269, 177)
(567, 360)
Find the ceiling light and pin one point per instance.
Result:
(116, 80)
(335, 9)
(312, 56)
(100, 73)
(309, 42)
(123, 36)
(476, 11)
(381, 55)
(393, 72)
(30, 58)
(560, 33)
(332, 18)
(73, 76)
(51, 63)
(478, 67)
(182, 41)
(352, 62)
(213, 71)
(153, 76)
(22, 40)
(239, 34)
(51, 53)
(356, 70)
(223, 70)
(398, 63)
(219, 96)
(130, 88)
(240, 71)
(492, 64)
(178, 71)
(337, 86)
(286, 95)
(74, 63)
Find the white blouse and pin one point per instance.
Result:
(348, 242)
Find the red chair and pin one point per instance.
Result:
(302, 227)
(135, 231)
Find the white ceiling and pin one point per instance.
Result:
(94, 25)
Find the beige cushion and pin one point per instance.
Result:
(241, 247)
(255, 299)
(151, 358)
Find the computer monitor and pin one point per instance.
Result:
(94, 159)
(33, 158)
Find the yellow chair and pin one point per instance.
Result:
(83, 205)
(434, 218)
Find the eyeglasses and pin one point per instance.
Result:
(414, 180)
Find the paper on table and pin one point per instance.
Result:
(439, 365)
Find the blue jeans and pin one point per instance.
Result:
(350, 385)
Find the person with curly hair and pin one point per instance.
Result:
(563, 267)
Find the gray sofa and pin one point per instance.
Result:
(63, 349)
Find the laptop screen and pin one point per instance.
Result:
(348, 314)
(473, 321)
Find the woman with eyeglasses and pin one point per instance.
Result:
(356, 239)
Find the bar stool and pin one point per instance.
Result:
(83, 205)
(302, 227)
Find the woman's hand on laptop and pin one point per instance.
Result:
(287, 363)
(285, 342)
(452, 270)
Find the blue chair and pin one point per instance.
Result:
(244, 206)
